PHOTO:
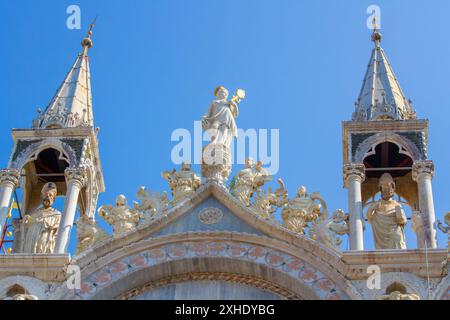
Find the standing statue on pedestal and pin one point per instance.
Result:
(41, 226)
(220, 120)
(387, 217)
(182, 183)
(220, 124)
(121, 217)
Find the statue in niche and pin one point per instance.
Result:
(121, 217)
(249, 180)
(88, 233)
(302, 209)
(220, 119)
(387, 217)
(41, 226)
(267, 202)
(182, 183)
(152, 204)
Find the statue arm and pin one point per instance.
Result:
(400, 215)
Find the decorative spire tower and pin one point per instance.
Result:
(385, 136)
(61, 147)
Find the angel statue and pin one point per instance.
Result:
(182, 183)
(152, 204)
(302, 209)
(121, 217)
(220, 119)
(267, 202)
(325, 229)
(248, 180)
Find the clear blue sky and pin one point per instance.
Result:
(154, 65)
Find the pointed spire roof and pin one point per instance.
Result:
(381, 97)
(72, 104)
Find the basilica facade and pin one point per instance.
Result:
(213, 236)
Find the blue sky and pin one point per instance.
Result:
(154, 66)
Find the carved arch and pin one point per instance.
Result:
(367, 147)
(31, 152)
(149, 261)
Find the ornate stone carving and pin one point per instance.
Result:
(88, 233)
(248, 180)
(267, 202)
(422, 167)
(10, 176)
(216, 163)
(153, 204)
(76, 175)
(213, 276)
(397, 295)
(387, 217)
(182, 183)
(303, 209)
(354, 171)
(210, 215)
(40, 227)
(121, 217)
(327, 229)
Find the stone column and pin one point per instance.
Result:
(9, 180)
(422, 173)
(354, 176)
(75, 179)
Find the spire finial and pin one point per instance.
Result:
(376, 36)
(87, 42)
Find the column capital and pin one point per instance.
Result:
(354, 171)
(76, 175)
(10, 176)
(422, 167)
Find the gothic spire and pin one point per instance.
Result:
(381, 97)
(72, 104)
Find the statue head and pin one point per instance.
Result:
(386, 185)
(48, 194)
(301, 192)
(249, 162)
(121, 200)
(185, 166)
(221, 93)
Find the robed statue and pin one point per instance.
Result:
(41, 226)
(387, 217)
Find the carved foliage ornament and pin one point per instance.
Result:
(10, 176)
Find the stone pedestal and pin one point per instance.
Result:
(216, 163)
(354, 176)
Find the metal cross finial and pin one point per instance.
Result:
(87, 42)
